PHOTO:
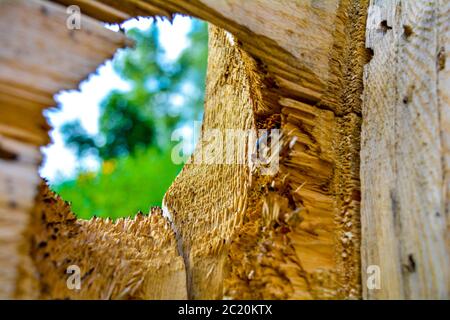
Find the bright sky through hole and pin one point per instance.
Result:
(59, 161)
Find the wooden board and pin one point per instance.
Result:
(298, 42)
(231, 220)
(404, 153)
(291, 61)
(297, 67)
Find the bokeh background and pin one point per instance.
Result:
(111, 151)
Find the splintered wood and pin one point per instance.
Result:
(295, 234)
(206, 201)
(405, 150)
(229, 229)
(125, 259)
(293, 38)
(240, 233)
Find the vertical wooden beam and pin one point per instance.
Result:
(39, 56)
(404, 156)
(295, 234)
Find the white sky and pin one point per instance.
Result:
(59, 161)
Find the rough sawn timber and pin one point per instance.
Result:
(405, 150)
(294, 235)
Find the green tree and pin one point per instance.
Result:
(133, 142)
(164, 95)
(121, 187)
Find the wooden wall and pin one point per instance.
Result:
(405, 150)
(296, 66)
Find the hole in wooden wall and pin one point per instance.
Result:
(407, 31)
(7, 155)
(384, 26)
(112, 150)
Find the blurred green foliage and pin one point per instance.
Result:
(135, 126)
(165, 95)
(122, 187)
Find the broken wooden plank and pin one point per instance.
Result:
(299, 43)
(123, 259)
(232, 221)
(98, 10)
(35, 65)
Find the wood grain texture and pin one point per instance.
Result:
(243, 234)
(443, 92)
(289, 236)
(100, 11)
(39, 57)
(404, 156)
(34, 66)
(123, 259)
(217, 191)
(288, 72)
(296, 41)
